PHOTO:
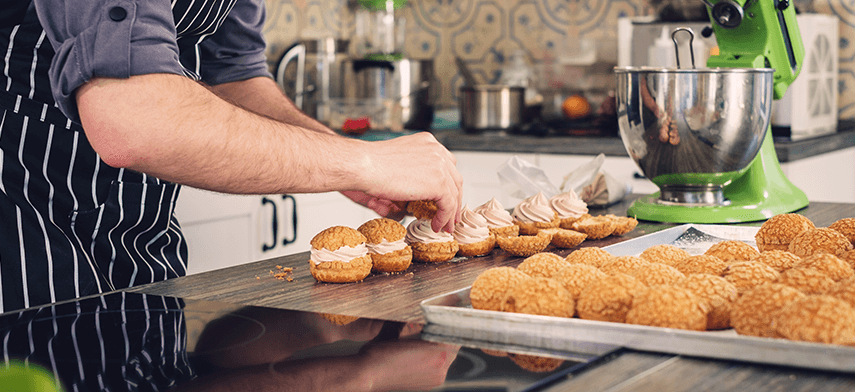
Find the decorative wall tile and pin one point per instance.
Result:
(486, 32)
(482, 32)
(281, 29)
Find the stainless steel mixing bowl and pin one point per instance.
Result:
(693, 131)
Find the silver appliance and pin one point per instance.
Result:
(408, 83)
(310, 74)
(809, 109)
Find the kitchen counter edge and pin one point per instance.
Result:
(458, 140)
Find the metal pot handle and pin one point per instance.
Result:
(297, 51)
(359, 65)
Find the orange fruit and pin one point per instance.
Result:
(576, 106)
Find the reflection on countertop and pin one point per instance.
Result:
(129, 341)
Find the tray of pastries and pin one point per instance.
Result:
(782, 293)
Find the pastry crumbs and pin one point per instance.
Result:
(283, 273)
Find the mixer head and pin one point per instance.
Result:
(758, 34)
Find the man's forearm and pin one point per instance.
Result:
(175, 129)
(262, 95)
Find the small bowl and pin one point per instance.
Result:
(377, 114)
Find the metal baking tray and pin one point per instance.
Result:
(451, 316)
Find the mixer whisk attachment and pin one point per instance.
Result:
(677, 46)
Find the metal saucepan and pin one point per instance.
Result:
(489, 107)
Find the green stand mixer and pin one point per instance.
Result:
(703, 136)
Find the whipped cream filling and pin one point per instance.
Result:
(344, 254)
(568, 205)
(472, 227)
(495, 214)
(386, 246)
(534, 209)
(420, 231)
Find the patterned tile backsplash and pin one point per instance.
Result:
(485, 33)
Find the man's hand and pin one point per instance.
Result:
(415, 167)
(394, 210)
(407, 364)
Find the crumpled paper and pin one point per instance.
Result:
(521, 179)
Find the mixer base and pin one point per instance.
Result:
(762, 192)
(652, 208)
(693, 195)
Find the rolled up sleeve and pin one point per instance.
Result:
(116, 39)
(236, 51)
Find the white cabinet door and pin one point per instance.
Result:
(227, 230)
(826, 177)
(276, 222)
(219, 229)
(316, 212)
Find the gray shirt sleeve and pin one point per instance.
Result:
(121, 38)
(236, 51)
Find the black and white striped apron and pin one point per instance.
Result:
(70, 225)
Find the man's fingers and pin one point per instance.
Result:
(448, 212)
(442, 222)
(387, 209)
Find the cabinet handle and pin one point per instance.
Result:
(286, 241)
(265, 247)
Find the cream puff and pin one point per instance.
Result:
(339, 255)
(428, 245)
(564, 238)
(569, 207)
(499, 220)
(386, 245)
(623, 224)
(596, 227)
(778, 231)
(525, 245)
(534, 214)
(472, 234)
(422, 209)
